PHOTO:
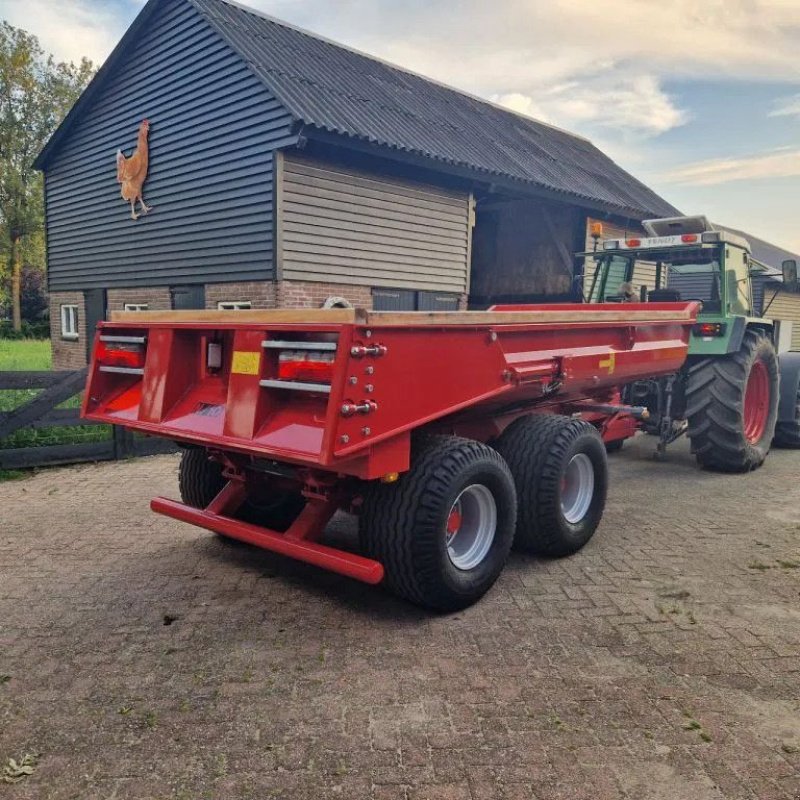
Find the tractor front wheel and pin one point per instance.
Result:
(732, 406)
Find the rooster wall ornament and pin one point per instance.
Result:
(132, 172)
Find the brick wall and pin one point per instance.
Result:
(305, 294)
(67, 353)
(260, 293)
(156, 298)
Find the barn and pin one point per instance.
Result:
(284, 169)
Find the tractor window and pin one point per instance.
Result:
(697, 281)
(609, 274)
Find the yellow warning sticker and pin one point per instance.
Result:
(610, 362)
(245, 363)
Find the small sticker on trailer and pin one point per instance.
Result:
(245, 363)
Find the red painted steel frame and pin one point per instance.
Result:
(394, 378)
(472, 379)
(297, 542)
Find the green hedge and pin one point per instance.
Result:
(30, 330)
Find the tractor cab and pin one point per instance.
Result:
(725, 397)
(681, 258)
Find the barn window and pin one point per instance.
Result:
(234, 305)
(69, 322)
(136, 306)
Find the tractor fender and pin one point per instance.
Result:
(790, 382)
(737, 335)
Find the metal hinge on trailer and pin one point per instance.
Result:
(548, 373)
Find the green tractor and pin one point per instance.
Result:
(729, 397)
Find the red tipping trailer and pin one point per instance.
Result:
(450, 434)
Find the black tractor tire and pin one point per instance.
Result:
(787, 434)
(615, 446)
(200, 480)
(715, 406)
(538, 449)
(404, 525)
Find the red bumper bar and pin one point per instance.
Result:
(349, 564)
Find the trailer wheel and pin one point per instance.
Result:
(200, 480)
(443, 531)
(561, 475)
(732, 406)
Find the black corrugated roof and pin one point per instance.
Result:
(333, 88)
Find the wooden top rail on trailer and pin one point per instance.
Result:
(550, 315)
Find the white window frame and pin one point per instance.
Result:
(69, 322)
(234, 305)
(136, 306)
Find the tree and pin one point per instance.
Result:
(35, 94)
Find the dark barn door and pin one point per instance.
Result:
(187, 298)
(94, 301)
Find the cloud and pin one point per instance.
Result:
(78, 27)
(569, 62)
(787, 107)
(619, 53)
(516, 44)
(783, 163)
(635, 104)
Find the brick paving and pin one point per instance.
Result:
(148, 659)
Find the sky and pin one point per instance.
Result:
(700, 100)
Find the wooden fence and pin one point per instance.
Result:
(40, 412)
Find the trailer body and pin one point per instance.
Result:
(388, 375)
(326, 403)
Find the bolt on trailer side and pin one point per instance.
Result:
(324, 412)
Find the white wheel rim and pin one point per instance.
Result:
(470, 527)
(577, 488)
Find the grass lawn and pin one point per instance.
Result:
(34, 354)
(25, 354)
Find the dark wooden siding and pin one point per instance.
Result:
(214, 129)
(349, 227)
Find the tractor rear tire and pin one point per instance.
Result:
(200, 480)
(732, 406)
(443, 531)
(561, 476)
(787, 434)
